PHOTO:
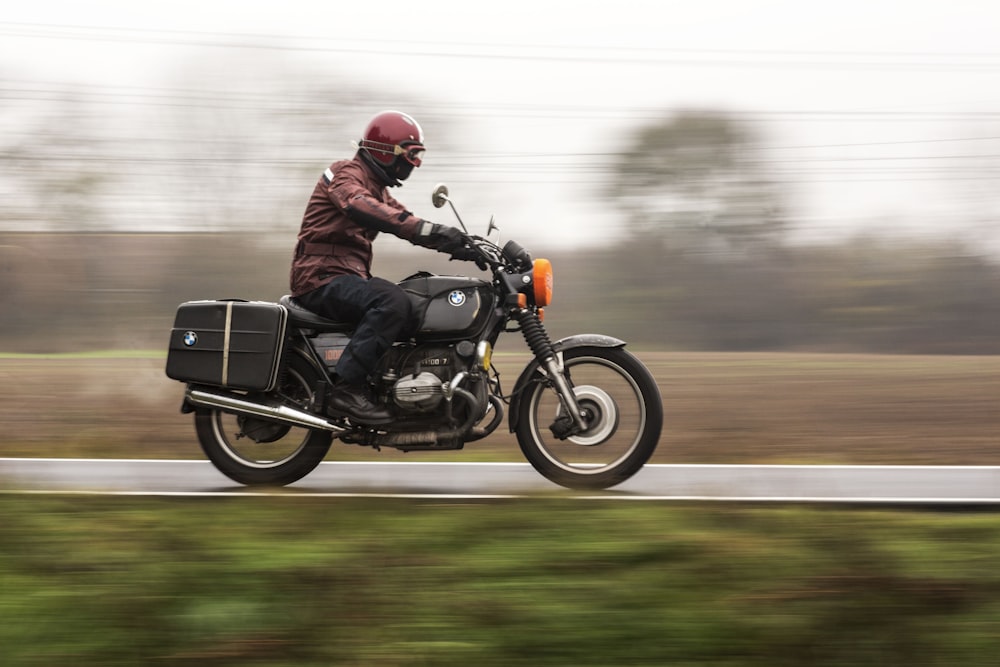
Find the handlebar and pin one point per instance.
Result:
(490, 254)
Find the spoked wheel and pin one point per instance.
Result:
(255, 451)
(623, 410)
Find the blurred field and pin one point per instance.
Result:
(719, 407)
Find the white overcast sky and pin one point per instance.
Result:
(875, 109)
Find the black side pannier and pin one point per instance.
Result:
(235, 344)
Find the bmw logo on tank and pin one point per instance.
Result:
(456, 298)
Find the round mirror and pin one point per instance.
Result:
(440, 195)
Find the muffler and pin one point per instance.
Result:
(222, 400)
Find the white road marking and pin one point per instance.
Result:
(569, 495)
(857, 484)
(486, 464)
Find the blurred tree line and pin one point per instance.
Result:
(706, 263)
(69, 291)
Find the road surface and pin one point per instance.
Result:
(979, 485)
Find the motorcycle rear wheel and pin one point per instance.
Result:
(257, 452)
(624, 412)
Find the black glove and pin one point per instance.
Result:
(466, 254)
(439, 237)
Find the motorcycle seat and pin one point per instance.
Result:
(301, 316)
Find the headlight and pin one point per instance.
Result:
(519, 258)
(541, 277)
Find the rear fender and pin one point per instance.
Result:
(561, 345)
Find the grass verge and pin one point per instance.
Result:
(300, 581)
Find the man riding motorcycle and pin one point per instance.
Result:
(331, 268)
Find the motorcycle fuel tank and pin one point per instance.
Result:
(449, 305)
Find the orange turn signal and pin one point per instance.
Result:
(542, 279)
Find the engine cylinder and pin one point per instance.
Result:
(422, 392)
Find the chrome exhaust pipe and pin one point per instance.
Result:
(281, 413)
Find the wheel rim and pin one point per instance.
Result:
(228, 431)
(601, 412)
(608, 391)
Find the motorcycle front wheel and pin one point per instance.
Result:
(258, 452)
(623, 409)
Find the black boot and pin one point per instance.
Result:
(356, 402)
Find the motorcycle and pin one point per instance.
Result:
(586, 413)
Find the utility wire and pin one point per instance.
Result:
(584, 54)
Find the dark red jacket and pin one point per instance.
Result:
(348, 208)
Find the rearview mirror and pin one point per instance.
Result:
(440, 195)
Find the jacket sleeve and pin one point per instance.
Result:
(348, 192)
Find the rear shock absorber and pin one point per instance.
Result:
(541, 346)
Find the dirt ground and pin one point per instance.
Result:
(719, 408)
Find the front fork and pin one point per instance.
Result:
(572, 421)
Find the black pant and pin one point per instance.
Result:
(383, 314)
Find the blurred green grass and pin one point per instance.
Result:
(308, 581)
(95, 354)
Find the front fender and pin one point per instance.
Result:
(561, 345)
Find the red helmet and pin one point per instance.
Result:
(392, 134)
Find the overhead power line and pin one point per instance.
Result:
(583, 53)
(26, 91)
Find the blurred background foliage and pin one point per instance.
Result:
(107, 224)
(67, 292)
